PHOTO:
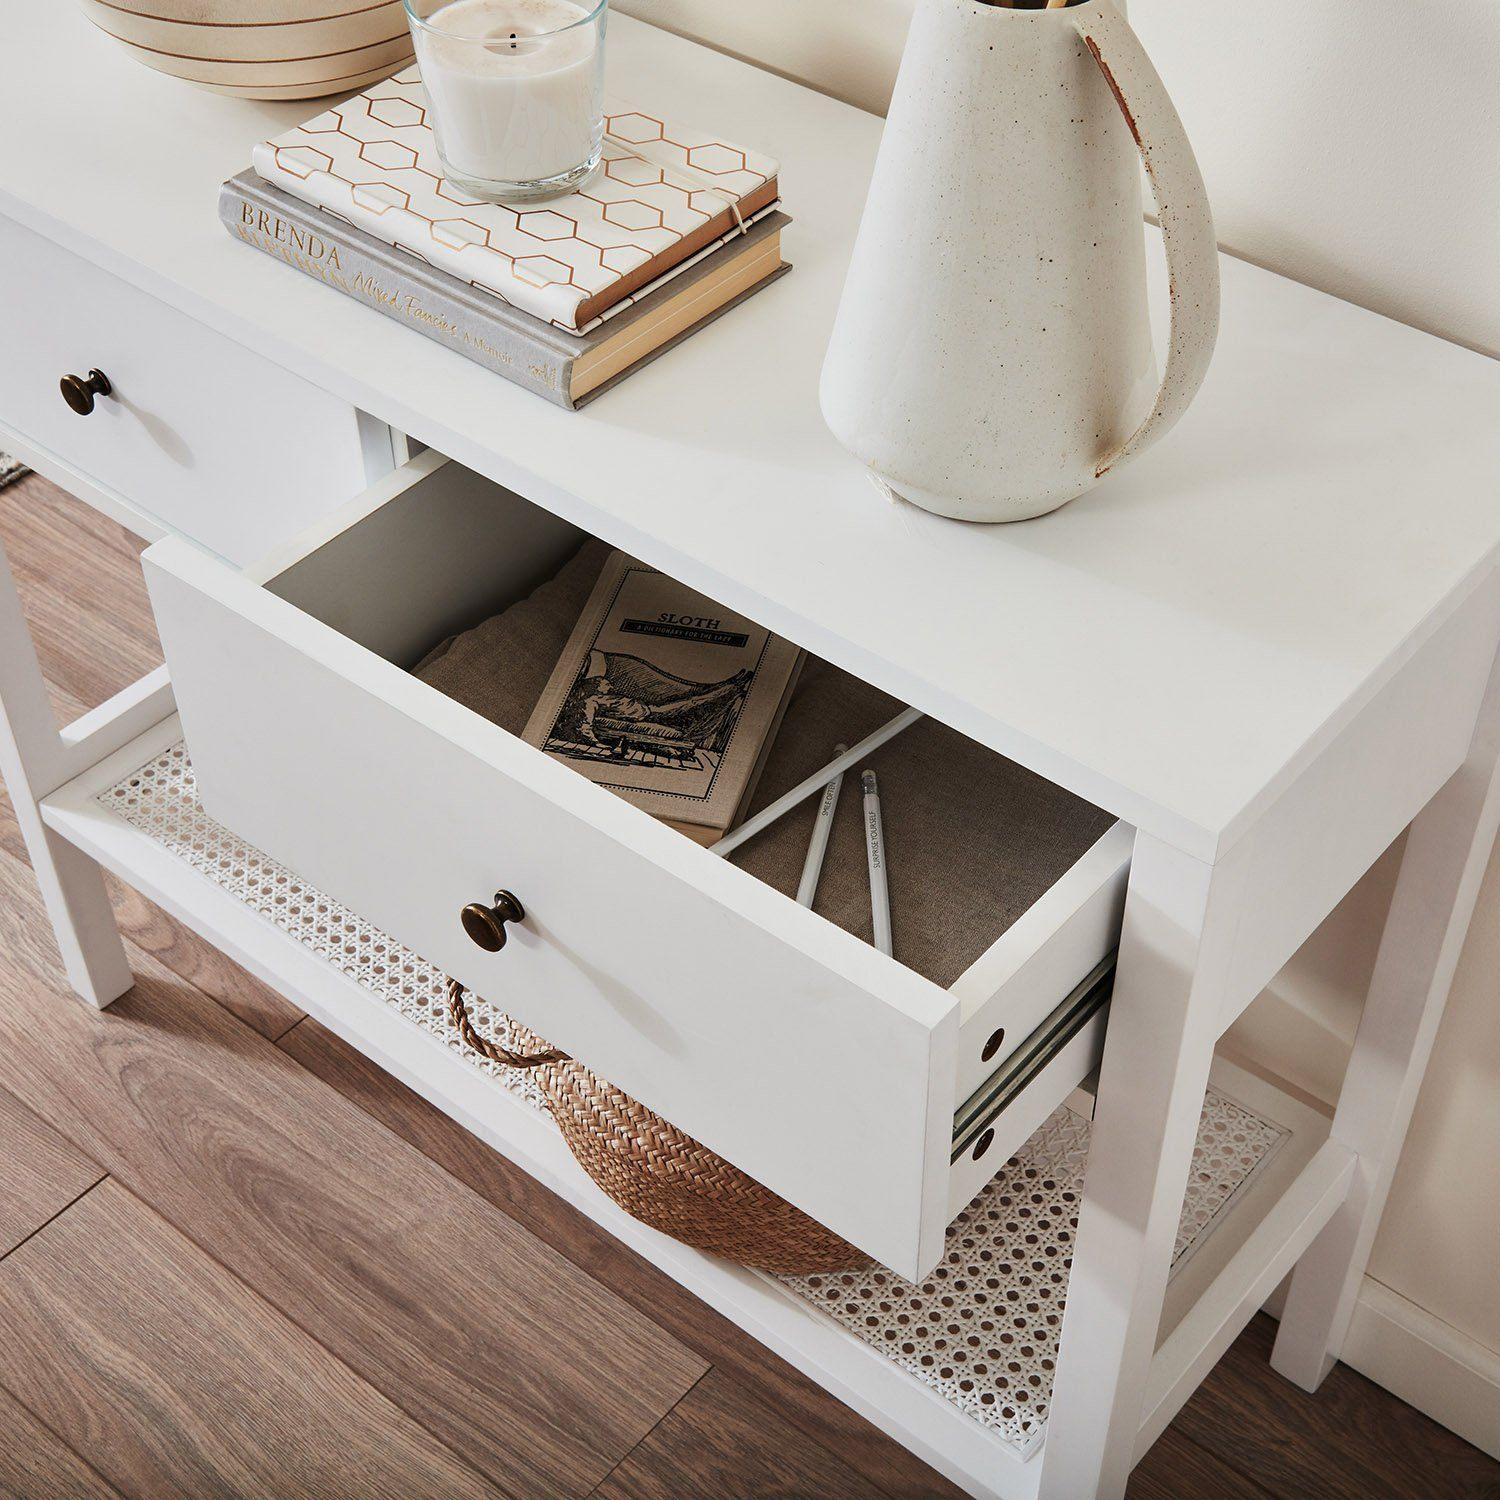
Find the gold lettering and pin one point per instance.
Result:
(490, 349)
(367, 286)
(322, 260)
(282, 251)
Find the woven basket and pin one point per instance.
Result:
(659, 1175)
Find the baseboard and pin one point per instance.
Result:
(1428, 1363)
(1425, 1362)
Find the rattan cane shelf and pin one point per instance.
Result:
(982, 1330)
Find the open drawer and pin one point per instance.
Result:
(874, 1098)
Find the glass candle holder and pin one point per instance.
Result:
(516, 92)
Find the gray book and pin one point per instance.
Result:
(567, 369)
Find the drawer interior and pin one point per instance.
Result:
(975, 841)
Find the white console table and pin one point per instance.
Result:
(1266, 648)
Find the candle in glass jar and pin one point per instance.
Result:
(515, 88)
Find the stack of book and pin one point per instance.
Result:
(563, 297)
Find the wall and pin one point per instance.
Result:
(1355, 147)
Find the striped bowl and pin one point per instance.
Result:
(262, 49)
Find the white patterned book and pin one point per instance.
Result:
(665, 195)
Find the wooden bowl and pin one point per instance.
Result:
(262, 49)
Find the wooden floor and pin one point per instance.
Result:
(237, 1260)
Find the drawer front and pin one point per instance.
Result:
(198, 434)
(797, 1052)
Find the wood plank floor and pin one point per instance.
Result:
(236, 1259)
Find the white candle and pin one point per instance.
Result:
(515, 87)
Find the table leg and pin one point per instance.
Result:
(1163, 1024)
(1447, 850)
(32, 764)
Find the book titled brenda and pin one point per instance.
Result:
(666, 698)
(566, 368)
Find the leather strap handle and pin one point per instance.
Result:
(458, 1013)
(1182, 210)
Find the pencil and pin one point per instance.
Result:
(814, 783)
(880, 901)
(817, 845)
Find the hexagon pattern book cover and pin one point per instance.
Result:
(665, 195)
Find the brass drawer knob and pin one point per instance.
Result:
(79, 393)
(486, 924)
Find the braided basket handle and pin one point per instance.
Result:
(458, 1013)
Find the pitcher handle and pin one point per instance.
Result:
(1182, 210)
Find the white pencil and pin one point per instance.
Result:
(814, 783)
(880, 900)
(817, 845)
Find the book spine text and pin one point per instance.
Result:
(321, 246)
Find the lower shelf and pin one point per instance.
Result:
(983, 1330)
(959, 1368)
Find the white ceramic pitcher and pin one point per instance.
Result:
(992, 356)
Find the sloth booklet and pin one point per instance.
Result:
(666, 698)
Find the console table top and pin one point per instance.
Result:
(1176, 646)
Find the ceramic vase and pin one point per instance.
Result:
(992, 355)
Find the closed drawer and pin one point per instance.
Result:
(199, 434)
(832, 1073)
